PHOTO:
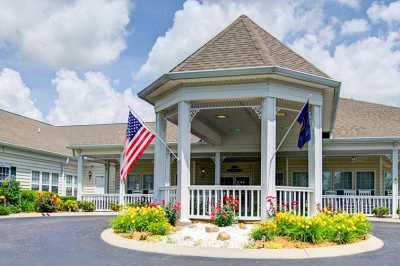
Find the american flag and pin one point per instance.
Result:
(138, 137)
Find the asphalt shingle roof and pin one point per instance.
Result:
(245, 44)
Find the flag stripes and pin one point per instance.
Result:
(138, 138)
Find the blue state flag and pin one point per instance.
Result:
(305, 131)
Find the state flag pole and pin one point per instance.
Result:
(152, 132)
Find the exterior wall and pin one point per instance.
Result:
(26, 162)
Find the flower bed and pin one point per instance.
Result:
(326, 228)
(15, 200)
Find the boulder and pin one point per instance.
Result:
(223, 236)
(187, 238)
(211, 228)
(242, 226)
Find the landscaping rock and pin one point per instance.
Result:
(211, 228)
(242, 226)
(223, 236)
(193, 226)
(187, 238)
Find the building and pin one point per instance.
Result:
(225, 110)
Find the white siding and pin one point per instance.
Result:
(25, 162)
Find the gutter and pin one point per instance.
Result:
(236, 72)
(364, 140)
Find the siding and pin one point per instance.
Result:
(26, 162)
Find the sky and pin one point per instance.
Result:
(83, 61)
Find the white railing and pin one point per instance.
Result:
(168, 194)
(203, 199)
(138, 198)
(294, 199)
(101, 201)
(356, 204)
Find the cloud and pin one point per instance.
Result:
(388, 13)
(355, 26)
(350, 3)
(79, 33)
(92, 99)
(198, 21)
(368, 68)
(15, 96)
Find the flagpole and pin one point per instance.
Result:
(154, 133)
(290, 128)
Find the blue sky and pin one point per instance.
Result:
(73, 62)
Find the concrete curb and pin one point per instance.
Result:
(56, 214)
(371, 244)
(384, 220)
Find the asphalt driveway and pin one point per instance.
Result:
(76, 241)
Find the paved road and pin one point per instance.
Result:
(76, 241)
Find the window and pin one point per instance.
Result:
(326, 180)
(300, 179)
(387, 177)
(4, 172)
(54, 183)
(68, 185)
(279, 179)
(365, 180)
(343, 180)
(147, 183)
(35, 180)
(140, 184)
(75, 185)
(45, 181)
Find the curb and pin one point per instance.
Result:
(383, 220)
(57, 214)
(371, 244)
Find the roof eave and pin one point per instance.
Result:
(388, 139)
(30, 149)
(236, 72)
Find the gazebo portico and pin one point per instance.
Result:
(226, 119)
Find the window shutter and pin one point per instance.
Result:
(13, 171)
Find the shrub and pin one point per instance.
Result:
(28, 206)
(340, 228)
(172, 212)
(115, 207)
(65, 198)
(14, 209)
(28, 195)
(225, 215)
(47, 202)
(87, 206)
(69, 205)
(9, 188)
(150, 219)
(4, 210)
(380, 211)
(266, 231)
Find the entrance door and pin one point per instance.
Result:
(99, 184)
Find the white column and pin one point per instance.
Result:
(121, 182)
(62, 180)
(159, 155)
(315, 160)
(80, 177)
(217, 163)
(167, 180)
(395, 179)
(268, 146)
(184, 159)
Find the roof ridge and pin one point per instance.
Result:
(284, 45)
(207, 43)
(259, 44)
